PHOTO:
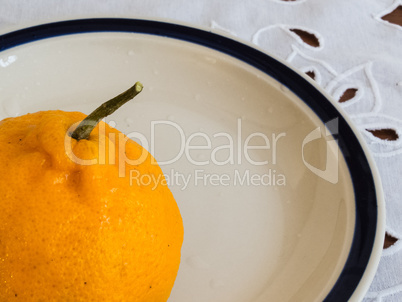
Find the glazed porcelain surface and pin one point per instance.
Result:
(266, 194)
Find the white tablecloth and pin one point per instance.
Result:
(354, 49)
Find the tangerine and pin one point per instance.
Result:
(77, 231)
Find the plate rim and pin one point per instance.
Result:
(258, 58)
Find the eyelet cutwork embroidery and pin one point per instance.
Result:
(324, 73)
(362, 78)
(348, 94)
(307, 37)
(387, 134)
(389, 240)
(392, 243)
(392, 15)
(380, 123)
(312, 72)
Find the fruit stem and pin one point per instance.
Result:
(85, 128)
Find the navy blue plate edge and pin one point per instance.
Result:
(359, 167)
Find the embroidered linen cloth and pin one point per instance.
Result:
(353, 51)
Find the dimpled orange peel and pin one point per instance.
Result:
(74, 225)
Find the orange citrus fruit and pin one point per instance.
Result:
(75, 225)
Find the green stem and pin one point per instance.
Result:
(85, 128)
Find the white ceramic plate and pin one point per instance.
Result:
(278, 196)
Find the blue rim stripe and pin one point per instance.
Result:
(362, 178)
